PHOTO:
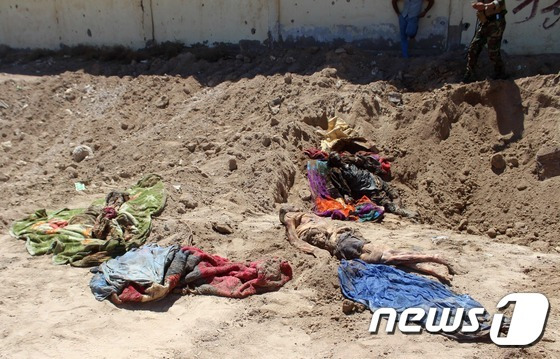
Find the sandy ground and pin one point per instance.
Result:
(187, 118)
(48, 311)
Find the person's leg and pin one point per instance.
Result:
(404, 258)
(494, 47)
(372, 254)
(415, 261)
(412, 27)
(404, 37)
(476, 46)
(439, 273)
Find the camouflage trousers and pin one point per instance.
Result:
(490, 32)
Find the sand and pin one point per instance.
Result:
(227, 135)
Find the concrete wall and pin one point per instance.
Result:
(370, 22)
(29, 23)
(50, 23)
(533, 25)
(210, 21)
(108, 22)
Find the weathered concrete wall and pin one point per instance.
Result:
(107, 22)
(29, 23)
(50, 23)
(533, 25)
(367, 21)
(210, 21)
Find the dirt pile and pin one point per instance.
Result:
(449, 149)
(231, 134)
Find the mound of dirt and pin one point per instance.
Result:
(227, 134)
(231, 134)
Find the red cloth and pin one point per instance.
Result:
(385, 165)
(316, 154)
(237, 280)
(132, 293)
(210, 274)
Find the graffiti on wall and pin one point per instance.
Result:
(552, 12)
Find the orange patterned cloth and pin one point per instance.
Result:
(353, 211)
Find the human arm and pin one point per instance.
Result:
(479, 6)
(494, 5)
(395, 7)
(291, 223)
(430, 4)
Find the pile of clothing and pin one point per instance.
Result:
(150, 273)
(328, 203)
(348, 179)
(89, 236)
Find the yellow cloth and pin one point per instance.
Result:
(337, 129)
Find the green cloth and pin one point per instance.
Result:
(67, 233)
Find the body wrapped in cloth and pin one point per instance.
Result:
(152, 272)
(88, 236)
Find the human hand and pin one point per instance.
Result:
(478, 6)
(422, 14)
(155, 292)
(115, 299)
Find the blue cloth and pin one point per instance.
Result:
(412, 8)
(382, 286)
(143, 265)
(408, 26)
